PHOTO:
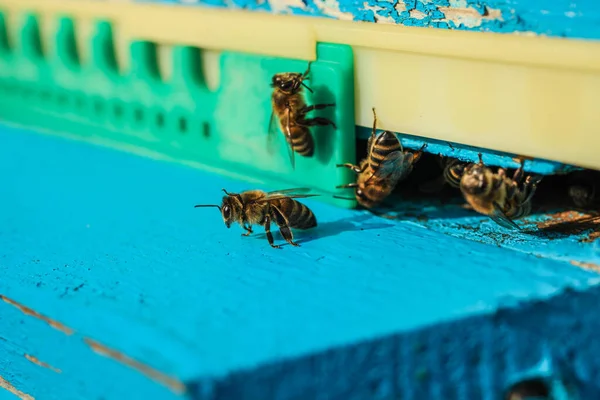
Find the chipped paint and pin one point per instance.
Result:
(4, 384)
(469, 17)
(42, 364)
(572, 223)
(172, 383)
(28, 311)
(575, 19)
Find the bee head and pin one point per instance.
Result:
(582, 196)
(231, 207)
(288, 82)
(475, 179)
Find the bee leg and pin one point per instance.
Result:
(248, 231)
(530, 187)
(350, 185)
(268, 232)
(417, 155)
(518, 175)
(284, 228)
(354, 168)
(307, 109)
(316, 121)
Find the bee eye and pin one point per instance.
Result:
(286, 85)
(226, 212)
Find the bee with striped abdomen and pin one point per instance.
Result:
(501, 198)
(290, 109)
(255, 207)
(387, 163)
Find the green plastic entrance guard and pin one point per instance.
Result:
(182, 118)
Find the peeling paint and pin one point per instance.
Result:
(42, 364)
(469, 17)
(172, 383)
(572, 223)
(4, 384)
(28, 311)
(533, 17)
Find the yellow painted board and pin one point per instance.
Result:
(532, 96)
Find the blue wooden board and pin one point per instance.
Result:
(108, 271)
(559, 18)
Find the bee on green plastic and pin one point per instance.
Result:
(290, 109)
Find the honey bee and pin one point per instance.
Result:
(261, 208)
(386, 164)
(452, 173)
(582, 189)
(290, 109)
(496, 195)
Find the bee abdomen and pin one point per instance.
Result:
(298, 215)
(385, 143)
(302, 141)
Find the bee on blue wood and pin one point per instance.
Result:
(386, 164)
(255, 207)
(496, 195)
(290, 109)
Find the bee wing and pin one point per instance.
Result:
(272, 133)
(391, 167)
(283, 196)
(501, 219)
(288, 136)
(294, 190)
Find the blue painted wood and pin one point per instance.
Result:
(109, 245)
(560, 18)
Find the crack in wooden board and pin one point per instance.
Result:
(28, 311)
(42, 364)
(6, 385)
(173, 384)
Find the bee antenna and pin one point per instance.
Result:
(207, 205)
(236, 195)
(309, 89)
(480, 158)
(307, 70)
(344, 198)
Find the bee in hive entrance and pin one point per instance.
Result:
(496, 195)
(255, 207)
(386, 164)
(290, 109)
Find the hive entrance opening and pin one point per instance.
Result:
(559, 206)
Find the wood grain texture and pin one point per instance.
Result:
(110, 246)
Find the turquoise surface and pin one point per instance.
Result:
(109, 245)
